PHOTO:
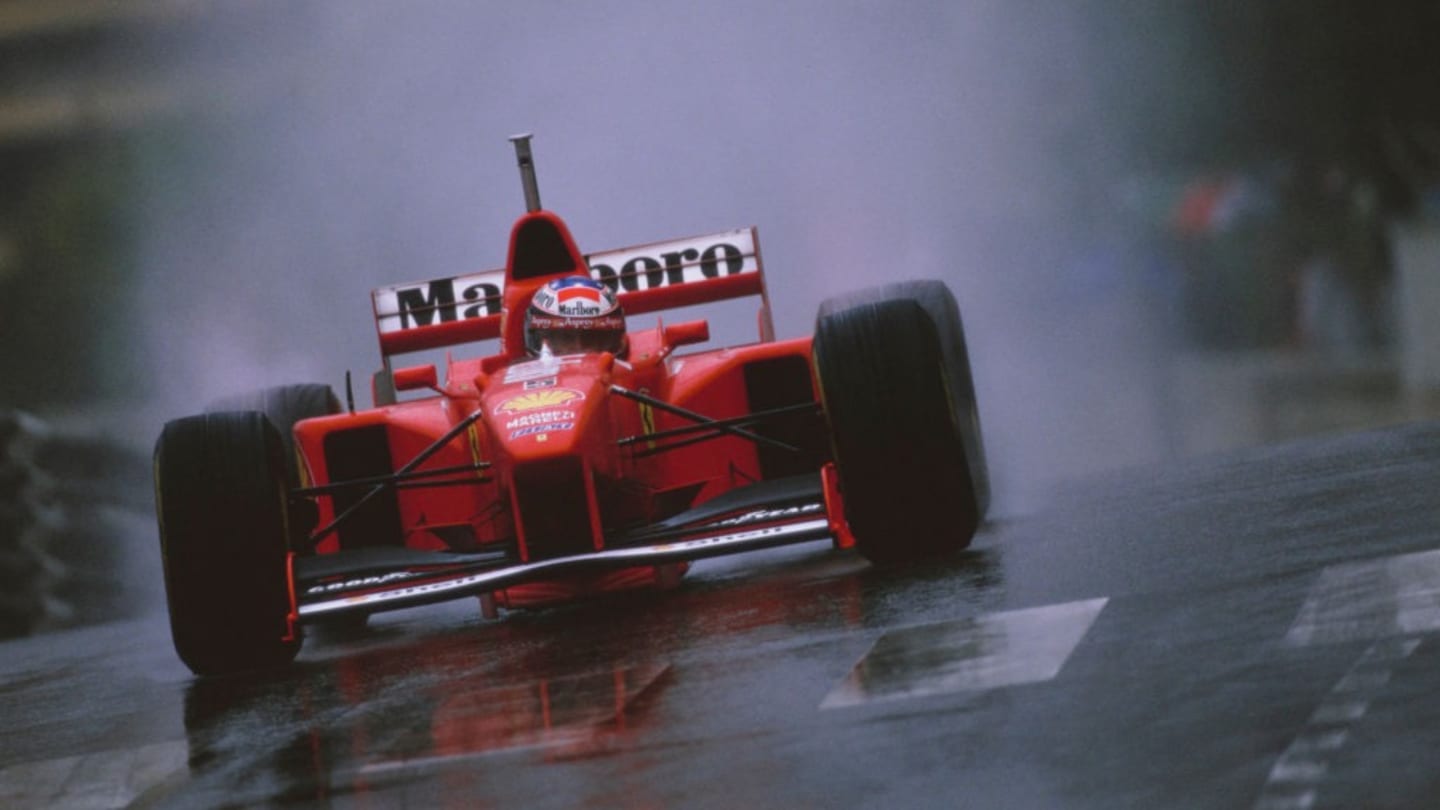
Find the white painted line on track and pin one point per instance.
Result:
(1303, 800)
(91, 781)
(983, 652)
(1295, 778)
(1340, 712)
(1366, 600)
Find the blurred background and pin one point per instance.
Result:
(1173, 228)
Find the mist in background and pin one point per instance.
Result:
(200, 196)
(366, 145)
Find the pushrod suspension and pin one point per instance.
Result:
(758, 416)
(326, 530)
(392, 478)
(705, 421)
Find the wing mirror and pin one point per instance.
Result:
(415, 378)
(684, 334)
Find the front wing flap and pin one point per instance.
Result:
(760, 516)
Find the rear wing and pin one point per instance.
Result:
(648, 278)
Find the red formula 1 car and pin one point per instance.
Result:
(550, 471)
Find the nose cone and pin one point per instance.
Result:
(562, 412)
(551, 424)
(543, 422)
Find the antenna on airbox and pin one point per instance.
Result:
(527, 170)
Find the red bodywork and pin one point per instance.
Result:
(558, 462)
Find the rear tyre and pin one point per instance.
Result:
(284, 405)
(894, 378)
(220, 497)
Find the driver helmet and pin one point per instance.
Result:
(573, 315)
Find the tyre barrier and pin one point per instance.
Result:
(76, 528)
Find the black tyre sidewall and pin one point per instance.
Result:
(284, 406)
(221, 504)
(893, 405)
(944, 313)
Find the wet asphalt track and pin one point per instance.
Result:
(1260, 630)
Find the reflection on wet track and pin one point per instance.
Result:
(1246, 632)
(566, 717)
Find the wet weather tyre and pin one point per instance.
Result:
(220, 497)
(895, 382)
(284, 405)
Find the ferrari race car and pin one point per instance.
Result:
(554, 469)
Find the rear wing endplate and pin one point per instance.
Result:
(648, 278)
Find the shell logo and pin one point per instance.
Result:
(535, 400)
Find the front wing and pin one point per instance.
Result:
(764, 515)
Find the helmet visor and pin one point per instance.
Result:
(576, 335)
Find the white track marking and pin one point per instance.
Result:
(984, 652)
(1302, 800)
(91, 781)
(1294, 780)
(1359, 601)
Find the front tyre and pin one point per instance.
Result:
(220, 494)
(894, 379)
